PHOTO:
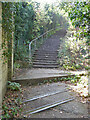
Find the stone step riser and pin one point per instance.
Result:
(53, 62)
(45, 61)
(45, 53)
(42, 54)
(41, 51)
(45, 64)
(46, 58)
(34, 81)
(36, 57)
(51, 49)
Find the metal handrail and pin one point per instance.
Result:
(34, 40)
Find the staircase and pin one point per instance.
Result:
(46, 55)
(45, 59)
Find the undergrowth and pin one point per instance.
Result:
(14, 86)
(78, 83)
(11, 105)
(72, 79)
(73, 54)
(82, 86)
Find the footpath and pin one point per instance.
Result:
(38, 95)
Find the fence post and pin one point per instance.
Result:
(45, 35)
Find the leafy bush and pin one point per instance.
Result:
(21, 53)
(77, 41)
(13, 86)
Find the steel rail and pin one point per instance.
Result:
(48, 106)
(42, 96)
(41, 35)
(34, 40)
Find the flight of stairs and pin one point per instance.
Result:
(45, 59)
(46, 55)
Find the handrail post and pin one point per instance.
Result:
(35, 44)
(42, 39)
(46, 35)
(30, 50)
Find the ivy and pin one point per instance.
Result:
(77, 41)
(25, 21)
(7, 29)
(79, 14)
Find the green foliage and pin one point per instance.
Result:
(31, 21)
(5, 109)
(79, 14)
(77, 41)
(21, 53)
(10, 112)
(73, 79)
(14, 111)
(11, 104)
(7, 29)
(14, 86)
(26, 21)
(87, 67)
(16, 65)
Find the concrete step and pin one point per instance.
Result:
(35, 80)
(46, 61)
(45, 54)
(45, 66)
(43, 63)
(46, 51)
(45, 57)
